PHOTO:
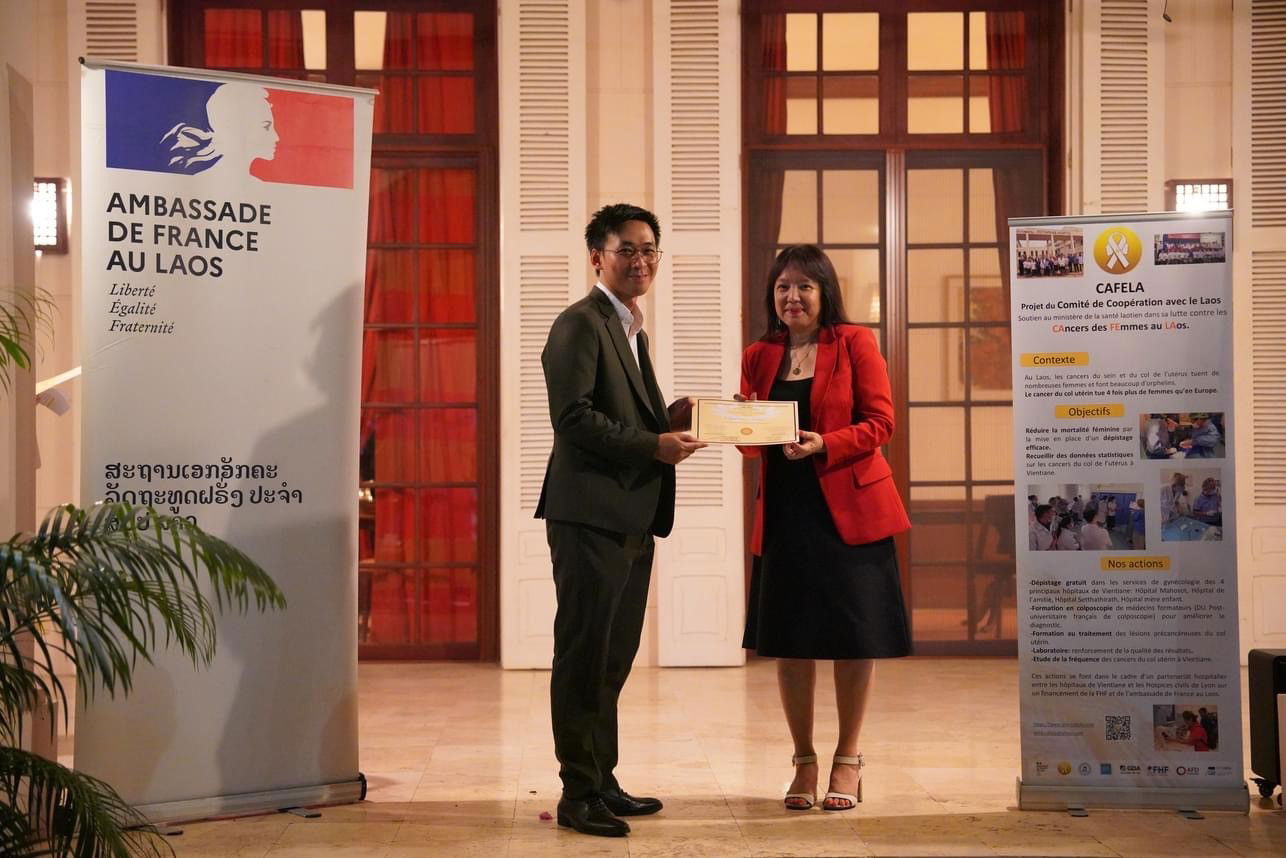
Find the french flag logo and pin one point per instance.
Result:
(180, 125)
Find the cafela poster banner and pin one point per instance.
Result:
(1126, 512)
(224, 238)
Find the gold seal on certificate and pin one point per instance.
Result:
(728, 421)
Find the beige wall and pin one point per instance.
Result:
(56, 480)
(33, 44)
(1198, 90)
(618, 66)
(619, 104)
(17, 130)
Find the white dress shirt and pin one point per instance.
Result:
(1039, 537)
(1095, 538)
(632, 322)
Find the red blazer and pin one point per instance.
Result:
(852, 408)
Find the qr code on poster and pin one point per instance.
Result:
(1118, 728)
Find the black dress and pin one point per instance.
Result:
(812, 595)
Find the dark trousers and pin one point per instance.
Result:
(601, 579)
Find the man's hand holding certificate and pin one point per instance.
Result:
(746, 422)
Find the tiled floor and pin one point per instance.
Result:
(460, 763)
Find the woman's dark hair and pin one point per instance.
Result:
(813, 263)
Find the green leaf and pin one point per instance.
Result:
(105, 588)
(48, 809)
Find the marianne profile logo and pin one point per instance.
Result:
(1118, 250)
(230, 130)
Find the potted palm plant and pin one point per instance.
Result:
(19, 316)
(103, 588)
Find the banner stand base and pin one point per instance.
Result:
(247, 803)
(1042, 797)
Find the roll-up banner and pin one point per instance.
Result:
(224, 239)
(1127, 561)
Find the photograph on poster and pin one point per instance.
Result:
(1182, 435)
(1086, 517)
(1051, 252)
(1191, 505)
(1185, 727)
(1184, 248)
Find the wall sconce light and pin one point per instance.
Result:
(49, 215)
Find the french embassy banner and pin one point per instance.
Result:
(1127, 562)
(224, 238)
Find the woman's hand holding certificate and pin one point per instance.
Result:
(746, 422)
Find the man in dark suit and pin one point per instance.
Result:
(609, 489)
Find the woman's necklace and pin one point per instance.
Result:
(797, 368)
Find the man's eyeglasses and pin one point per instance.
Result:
(649, 255)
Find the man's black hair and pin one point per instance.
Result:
(609, 219)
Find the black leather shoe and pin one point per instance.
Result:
(590, 817)
(622, 803)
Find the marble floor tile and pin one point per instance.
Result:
(1021, 846)
(927, 847)
(220, 850)
(805, 834)
(328, 850)
(656, 837)
(561, 843)
(1196, 846)
(459, 762)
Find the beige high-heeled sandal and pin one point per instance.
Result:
(852, 799)
(806, 799)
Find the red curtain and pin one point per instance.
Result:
(419, 368)
(391, 220)
(773, 65)
(447, 213)
(768, 184)
(407, 444)
(444, 41)
(410, 444)
(395, 107)
(448, 450)
(450, 291)
(387, 370)
(285, 40)
(446, 105)
(1006, 49)
(234, 38)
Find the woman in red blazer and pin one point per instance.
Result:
(825, 582)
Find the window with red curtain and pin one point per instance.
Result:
(427, 578)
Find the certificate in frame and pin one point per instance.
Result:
(745, 422)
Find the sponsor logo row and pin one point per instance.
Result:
(1065, 768)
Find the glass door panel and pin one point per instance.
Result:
(419, 567)
(933, 109)
(427, 498)
(960, 401)
(836, 202)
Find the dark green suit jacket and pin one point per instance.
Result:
(607, 412)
